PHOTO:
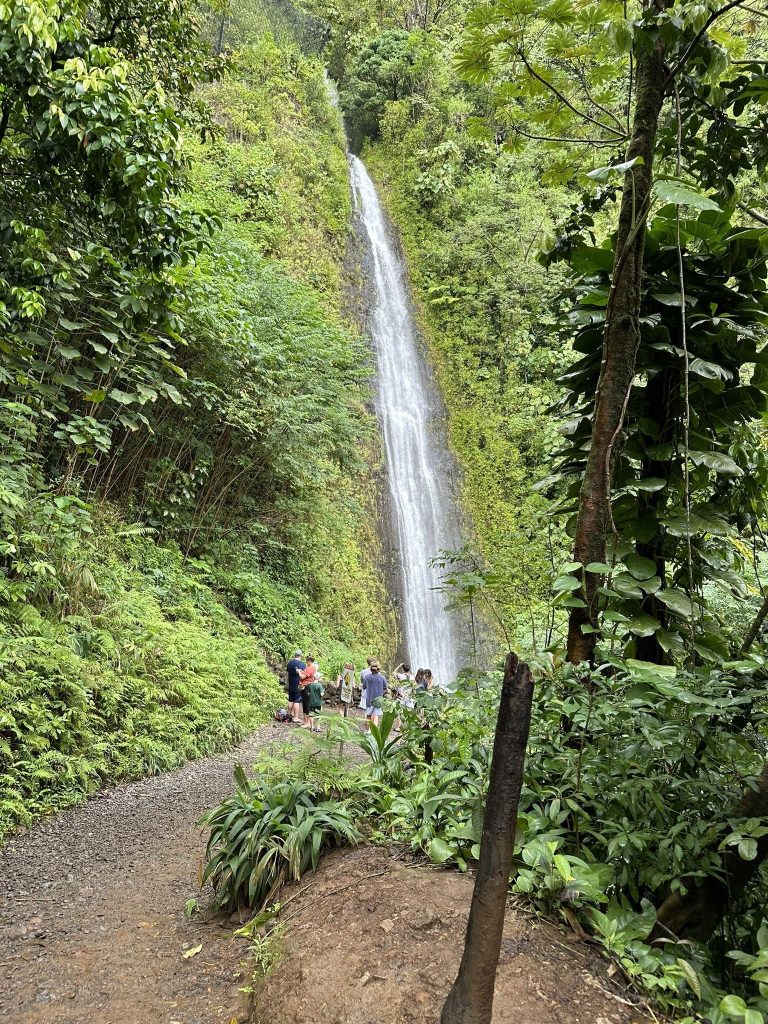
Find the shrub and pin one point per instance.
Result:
(264, 835)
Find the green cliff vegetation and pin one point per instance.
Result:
(472, 218)
(184, 484)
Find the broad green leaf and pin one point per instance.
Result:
(690, 976)
(621, 34)
(564, 584)
(611, 170)
(670, 190)
(643, 624)
(717, 461)
(733, 1006)
(711, 371)
(440, 851)
(563, 867)
(639, 567)
(747, 848)
(676, 600)
(651, 484)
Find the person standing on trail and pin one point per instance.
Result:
(306, 678)
(294, 667)
(363, 679)
(316, 692)
(375, 688)
(404, 689)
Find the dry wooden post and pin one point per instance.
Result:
(470, 1001)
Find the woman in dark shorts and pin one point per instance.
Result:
(307, 676)
(295, 667)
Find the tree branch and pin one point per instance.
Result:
(699, 35)
(556, 138)
(754, 629)
(753, 213)
(563, 99)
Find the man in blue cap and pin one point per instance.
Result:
(295, 666)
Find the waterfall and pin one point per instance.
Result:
(419, 468)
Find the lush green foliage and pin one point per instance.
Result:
(192, 372)
(637, 803)
(688, 494)
(265, 835)
(472, 221)
(142, 668)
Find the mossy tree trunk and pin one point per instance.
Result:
(621, 339)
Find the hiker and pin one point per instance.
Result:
(375, 688)
(419, 680)
(404, 689)
(363, 679)
(405, 681)
(294, 667)
(427, 680)
(316, 694)
(306, 678)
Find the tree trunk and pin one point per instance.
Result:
(470, 1001)
(222, 24)
(621, 339)
(696, 914)
(754, 630)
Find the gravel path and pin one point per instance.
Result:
(92, 923)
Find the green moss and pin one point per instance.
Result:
(487, 311)
(145, 671)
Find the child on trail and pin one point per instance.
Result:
(404, 689)
(316, 693)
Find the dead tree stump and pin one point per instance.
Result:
(470, 1001)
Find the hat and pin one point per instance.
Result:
(297, 654)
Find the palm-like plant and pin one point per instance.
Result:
(263, 836)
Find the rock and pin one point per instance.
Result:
(387, 924)
(423, 919)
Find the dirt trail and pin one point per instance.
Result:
(92, 923)
(93, 930)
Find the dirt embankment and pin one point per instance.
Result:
(370, 940)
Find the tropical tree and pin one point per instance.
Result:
(673, 95)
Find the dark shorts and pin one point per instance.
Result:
(305, 700)
(294, 696)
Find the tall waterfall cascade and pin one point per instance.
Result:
(425, 517)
